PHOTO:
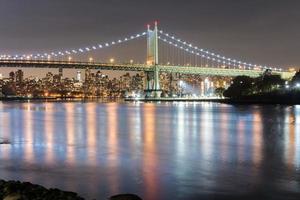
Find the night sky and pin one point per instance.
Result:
(259, 31)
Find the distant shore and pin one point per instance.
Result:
(238, 100)
(262, 99)
(59, 99)
(287, 98)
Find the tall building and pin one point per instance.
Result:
(60, 72)
(49, 77)
(12, 76)
(19, 76)
(78, 76)
(87, 75)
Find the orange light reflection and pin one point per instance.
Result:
(113, 148)
(150, 161)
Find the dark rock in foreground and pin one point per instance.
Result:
(4, 141)
(125, 197)
(15, 190)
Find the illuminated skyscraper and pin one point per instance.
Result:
(60, 72)
(87, 75)
(12, 76)
(78, 76)
(19, 76)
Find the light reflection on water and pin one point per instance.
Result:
(159, 151)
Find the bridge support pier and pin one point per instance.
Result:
(153, 83)
(157, 91)
(149, 84)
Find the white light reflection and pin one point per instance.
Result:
(134, 118)
(5, 132)
(206, 138)
(297, 136)
(224, 134)
(289, 138)
(257, 136)
(49, 132)
(28, 128)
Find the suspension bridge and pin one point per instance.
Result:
(186, 59)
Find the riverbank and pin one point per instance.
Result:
(239, 100)
(284, 98)
(75, 99)
(290, 97)
(257, 99)
(177, 99)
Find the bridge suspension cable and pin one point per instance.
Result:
(72, 51)
(204, 54)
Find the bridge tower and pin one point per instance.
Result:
(152, 45)
(152, 60)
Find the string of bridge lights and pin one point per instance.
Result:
(190, 48)
(199, 54)
(71, 51)
(190, 51)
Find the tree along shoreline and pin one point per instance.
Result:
(267, 89)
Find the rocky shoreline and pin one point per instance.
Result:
(16, 190)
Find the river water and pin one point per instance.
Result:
(161, 151)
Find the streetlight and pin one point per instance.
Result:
(180, 83)
(69, 58)
(91, 59)
(111, 60)
(131, 61)
(181, 88)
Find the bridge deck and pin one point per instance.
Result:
(73, 65)
(207, 71)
